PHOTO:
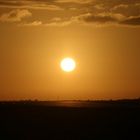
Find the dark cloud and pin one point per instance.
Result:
(134, 21)
(104, 18)
(74, 1)
(97, 18)
(29, 4)
(101, 18)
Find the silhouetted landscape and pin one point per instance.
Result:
(70, 120)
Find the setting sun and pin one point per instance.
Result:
(68, 64)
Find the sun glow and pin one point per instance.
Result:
(68, 64)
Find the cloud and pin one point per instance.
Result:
(127, 9)
(137, 4)
(121, 6)
(75, 1)
(101, 18)
(15, 15)
(99, 12)
(29, 4)
(109, 18)
(99, 7)
(85, 19)
(54, 22)
(56, 19)
(132, 21)
(58, 22)
(34, 23)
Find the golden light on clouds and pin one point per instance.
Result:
(68, 64)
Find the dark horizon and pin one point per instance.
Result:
(75, 120)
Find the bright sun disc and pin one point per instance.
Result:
(68, 64)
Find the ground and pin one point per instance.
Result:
(70, 120)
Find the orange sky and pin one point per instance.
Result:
(101, 35)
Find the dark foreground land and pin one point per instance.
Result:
(70, 120)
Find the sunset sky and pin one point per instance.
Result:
(102, 36)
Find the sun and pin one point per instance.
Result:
(68, 64)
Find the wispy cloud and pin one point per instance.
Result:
(99, 12)
(29, 4)
(101, 18)
(75, 1)
(34, 23)
(99, 7)
(121, 6)
(132, 21)
(15, 15)
(110, 18)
